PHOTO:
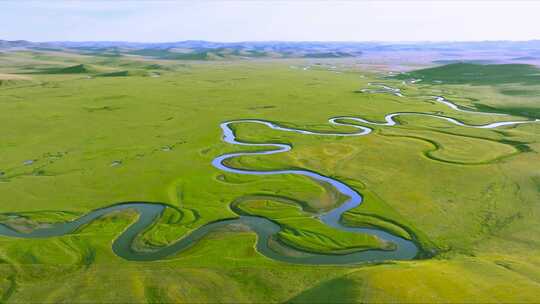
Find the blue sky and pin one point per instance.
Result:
(155, 21)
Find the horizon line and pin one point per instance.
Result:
(279, 41)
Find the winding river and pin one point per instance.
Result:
(265, 229)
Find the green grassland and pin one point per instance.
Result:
(507, 88)
(73, 142)
(478, 74)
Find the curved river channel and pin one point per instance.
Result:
(264, 228)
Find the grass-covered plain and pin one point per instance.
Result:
(505, 88)
(478, 74)
(74, 142)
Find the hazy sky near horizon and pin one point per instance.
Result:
(157, 21)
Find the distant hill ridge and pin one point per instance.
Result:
(277, 44)
(208, 50)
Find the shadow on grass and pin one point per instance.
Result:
(339, 290)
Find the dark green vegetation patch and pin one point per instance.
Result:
(478, 74)
(76, 69)
(114, 74)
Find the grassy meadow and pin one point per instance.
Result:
(83, 132)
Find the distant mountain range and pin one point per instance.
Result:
(206, 50)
